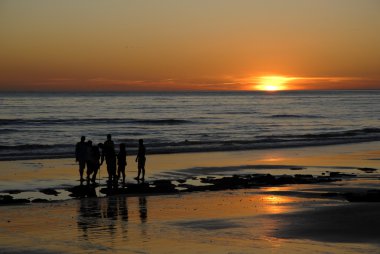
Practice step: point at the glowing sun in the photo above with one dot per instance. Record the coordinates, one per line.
(272, 83)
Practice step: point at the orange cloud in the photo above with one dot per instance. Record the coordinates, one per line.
(278, 82)
(225, 83)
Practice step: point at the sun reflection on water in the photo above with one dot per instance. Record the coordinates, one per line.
(276, 204)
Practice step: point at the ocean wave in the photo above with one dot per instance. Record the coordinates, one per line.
(28, 151)
(296, 116)
(90, 121)
(27, 147)
(162, 121)
(364, 132)
(7, 131)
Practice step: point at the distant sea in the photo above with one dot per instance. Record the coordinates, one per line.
(48, 125)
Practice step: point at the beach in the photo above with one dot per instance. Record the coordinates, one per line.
(312, 217)
(189, 127)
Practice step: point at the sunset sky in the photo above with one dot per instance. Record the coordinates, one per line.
(189, 45)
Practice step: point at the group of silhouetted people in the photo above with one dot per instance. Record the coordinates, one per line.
(89, 155)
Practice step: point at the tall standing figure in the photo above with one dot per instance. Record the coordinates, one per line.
(93, 163)
(110, 155)
(81, 156)
(140, 159)
(121, 162)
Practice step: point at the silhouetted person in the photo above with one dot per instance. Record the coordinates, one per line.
(88, 158)
(121, 162)
(80, 155)
(93, 163)
(140, 159)
(110, 155)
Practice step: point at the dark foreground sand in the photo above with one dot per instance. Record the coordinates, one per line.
(345, 223)
(295, 218)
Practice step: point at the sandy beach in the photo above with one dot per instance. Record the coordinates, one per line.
(285, 218)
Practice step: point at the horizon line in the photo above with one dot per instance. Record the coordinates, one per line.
(185, 91)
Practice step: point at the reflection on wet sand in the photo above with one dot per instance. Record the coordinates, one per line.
(143, 209)
(244, 221)
(277, 204)
(109, 214)
(88, 215)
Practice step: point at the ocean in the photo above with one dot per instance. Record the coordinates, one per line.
(48, 125)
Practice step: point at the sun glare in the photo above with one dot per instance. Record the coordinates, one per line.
(272, 83)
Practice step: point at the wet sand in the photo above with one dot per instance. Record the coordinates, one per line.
(277, 219)
(219, 222)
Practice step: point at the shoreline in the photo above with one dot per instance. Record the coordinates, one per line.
(191, 150)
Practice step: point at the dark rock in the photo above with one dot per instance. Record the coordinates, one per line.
(9, 200)
(207, 179)
(326, 179)
(192, 188)
(267, 179)
(82, 191)
(330, 194)
(303, 176)
(40, 200)
(244, 181)
(254, 181)
(285, 179)
(5, 198)
(13, 191)
(297, 168)
(304, 179)
(338, 174)
(368, 170)
(162, 182)
(163, 186)
(49, 192)
(138, 188)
